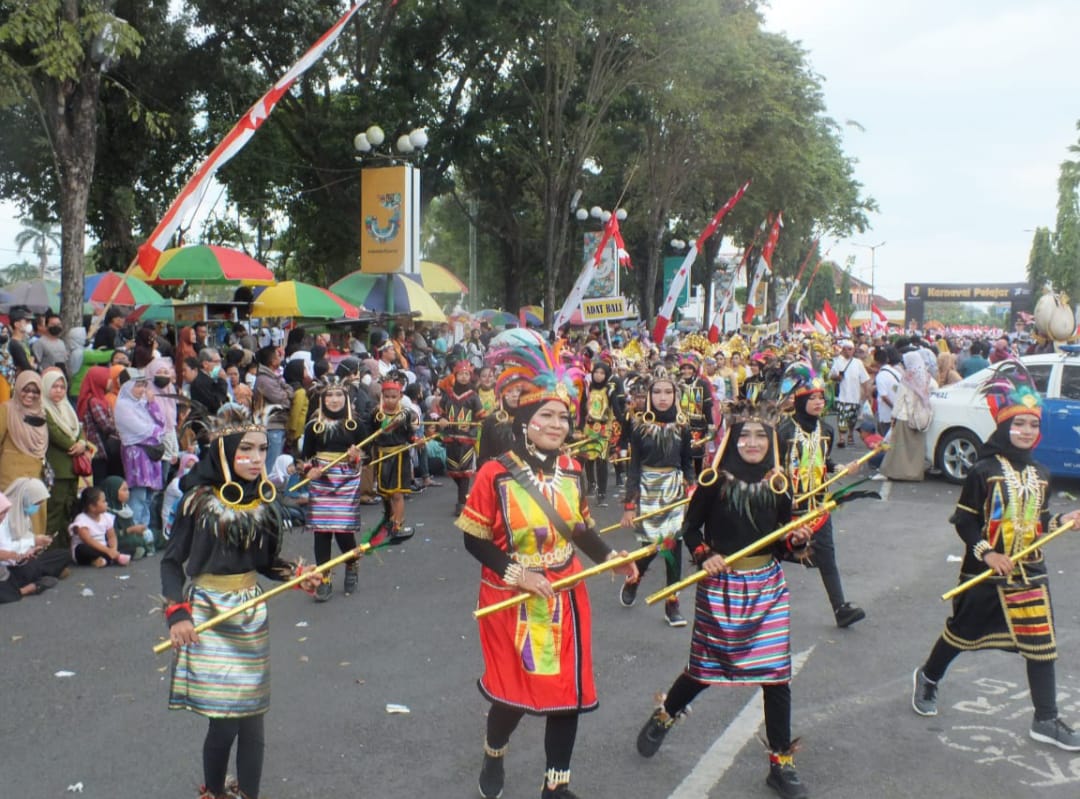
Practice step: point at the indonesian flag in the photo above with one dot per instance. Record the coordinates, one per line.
(588, 271)
(763, 270)
(831, 317)
(195, 189)
(879, 322)
(620, 246)
(821, 324)
(663, 319)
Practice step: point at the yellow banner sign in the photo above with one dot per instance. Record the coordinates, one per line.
(385, 209)
(606, 308)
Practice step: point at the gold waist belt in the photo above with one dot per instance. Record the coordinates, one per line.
(327, 456)
(556, 557)
(752, 562)
(225, 583)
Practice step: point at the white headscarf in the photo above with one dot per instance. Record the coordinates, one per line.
(133, 420)
(916, 376)
(22, 492)
(279, 475)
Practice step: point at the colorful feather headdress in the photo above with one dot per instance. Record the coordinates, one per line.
(1011, 391)
(549, 372)
(800, 379)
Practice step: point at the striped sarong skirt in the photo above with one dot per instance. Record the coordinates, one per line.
(742, 628)
(659, 488)
(334, 505)
(226, 674)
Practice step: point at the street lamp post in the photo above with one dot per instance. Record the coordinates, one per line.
(873, 253)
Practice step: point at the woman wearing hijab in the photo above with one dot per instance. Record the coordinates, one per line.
(117, 377)
(523, 521)
(1002, 509)
(96, 415)
(946, 369)
(906, 458)
(65, 442)
(31, 566)
(602, 408)
(742, 612)
(145, 350)
(24, 437)
(227, 532)
(141, 424)
(162, 377)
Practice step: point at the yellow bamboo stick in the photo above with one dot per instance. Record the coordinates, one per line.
(567, 582)
(399, 450)
(648, 515)
(393, 422)
(750, 549)
(879, 448)
(329, 465)
(1023, 553)
(277, 589)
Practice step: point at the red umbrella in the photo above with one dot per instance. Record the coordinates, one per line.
(207, 263)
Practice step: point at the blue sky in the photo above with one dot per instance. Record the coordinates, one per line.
(968, 108)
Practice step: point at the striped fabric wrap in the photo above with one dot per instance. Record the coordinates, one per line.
(227, 674)
(660, 487)
(334, 506)
(742, 628)
(1011, 618)
(1028, 614)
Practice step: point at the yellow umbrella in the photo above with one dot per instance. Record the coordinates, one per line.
(437, 279)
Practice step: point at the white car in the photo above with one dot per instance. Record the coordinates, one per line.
(962, 419)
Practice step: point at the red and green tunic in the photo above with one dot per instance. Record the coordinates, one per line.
(537, 655)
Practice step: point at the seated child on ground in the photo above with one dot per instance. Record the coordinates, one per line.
(93, 538)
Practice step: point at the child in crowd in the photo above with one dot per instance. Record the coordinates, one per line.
(284, 476)
(132, 539)
(93, 537)
(173, 493)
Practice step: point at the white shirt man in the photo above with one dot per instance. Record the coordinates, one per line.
(851, 373)
(887, 383)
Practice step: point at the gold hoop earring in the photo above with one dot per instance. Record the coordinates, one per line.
(501, 416)
(648, 417)
(680, 418)
(319, 427)
(264, 481)
(379, 415)
(230, 484)
(350, 423)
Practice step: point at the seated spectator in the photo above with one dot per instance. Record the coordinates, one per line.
(30, 565)
(284, 476)
(93, 538)
(24, 437)
(173, 494)
(131, 538)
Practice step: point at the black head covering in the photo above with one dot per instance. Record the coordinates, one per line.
(805, 420)
(733, 462)
(668, 416)
(602, 366)
(537, 458)
(209, 471)
(348, 367)
(294, 372)
(1000, 443)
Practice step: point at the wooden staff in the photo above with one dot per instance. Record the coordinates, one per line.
(329, 465)
(648, 515)
(399, 450)
(277, 589)
(621, 460)
(576, 444)
(1039, 543)
(567, 582)
(879, 448)
(394, 421)
(757, 546)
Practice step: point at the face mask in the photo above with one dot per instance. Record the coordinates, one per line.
(162, 382)
(125, 512)
(215, 373)
(250, 380)
(28, 328)
(366, 380)
(32, 509)
(55, 330)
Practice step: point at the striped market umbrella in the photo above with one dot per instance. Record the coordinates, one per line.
(394, 293)
(209, 264)
(497, 318)
(532, 315)
(293, 298)
(437, 279)
(118, 289)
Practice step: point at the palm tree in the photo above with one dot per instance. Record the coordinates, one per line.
(38, 234)
(13, 273)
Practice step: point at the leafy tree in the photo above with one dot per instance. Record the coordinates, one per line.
(13, 273)
(53, 55)
(1040, 260)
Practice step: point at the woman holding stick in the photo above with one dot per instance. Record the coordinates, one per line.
(741, 624)
(227, 531)
(1003, 508)
(522, 520)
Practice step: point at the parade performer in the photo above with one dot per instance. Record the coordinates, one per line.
(485, 390)
(601, 412)
(661, 470)
(1002, 509)
(741, 623)
(696, 404)
(333, 508)
(459, 409)
(496, 433)
(522, 521)
(393, 474)
(227, 530)
(806, 442)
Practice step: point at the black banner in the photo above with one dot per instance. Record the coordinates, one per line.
(916, 295)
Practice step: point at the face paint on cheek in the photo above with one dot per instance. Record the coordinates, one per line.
(535, 426)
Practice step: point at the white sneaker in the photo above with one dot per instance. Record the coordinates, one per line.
(878, 476)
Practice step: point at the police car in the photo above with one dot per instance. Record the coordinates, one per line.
(962, 419)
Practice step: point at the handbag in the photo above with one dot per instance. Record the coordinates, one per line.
(81, 465)
(154, 452)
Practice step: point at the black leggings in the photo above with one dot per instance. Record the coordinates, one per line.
(559, 735)
(777, 700)
(1042, 679)
(596, 474)
(824, 557)
(672, 566)
(462, 489)
(345, 542)
(248, 734)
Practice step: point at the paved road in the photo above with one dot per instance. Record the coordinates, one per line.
(407, 637)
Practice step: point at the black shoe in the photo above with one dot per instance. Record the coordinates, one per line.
(492, 777)
(652, 734)
(847, 614)
(352, 578)
(559, 792)
(628, 594)
(323, 591)
(923, 694)
(784, 779)
(671, 613)
(399, 534)
(601, 500)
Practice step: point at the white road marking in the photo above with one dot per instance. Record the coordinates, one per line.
(712, 766)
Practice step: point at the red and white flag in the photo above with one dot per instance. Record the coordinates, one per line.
(879, 322)
(667, 310)
(763, 270)
(831, 317)
(588, 272)
(195, 189)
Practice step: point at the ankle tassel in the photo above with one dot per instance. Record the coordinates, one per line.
(785, 757)
(500, 752)
(554, 778)
(666, 718)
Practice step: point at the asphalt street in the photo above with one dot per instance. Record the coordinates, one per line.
(85, 699)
